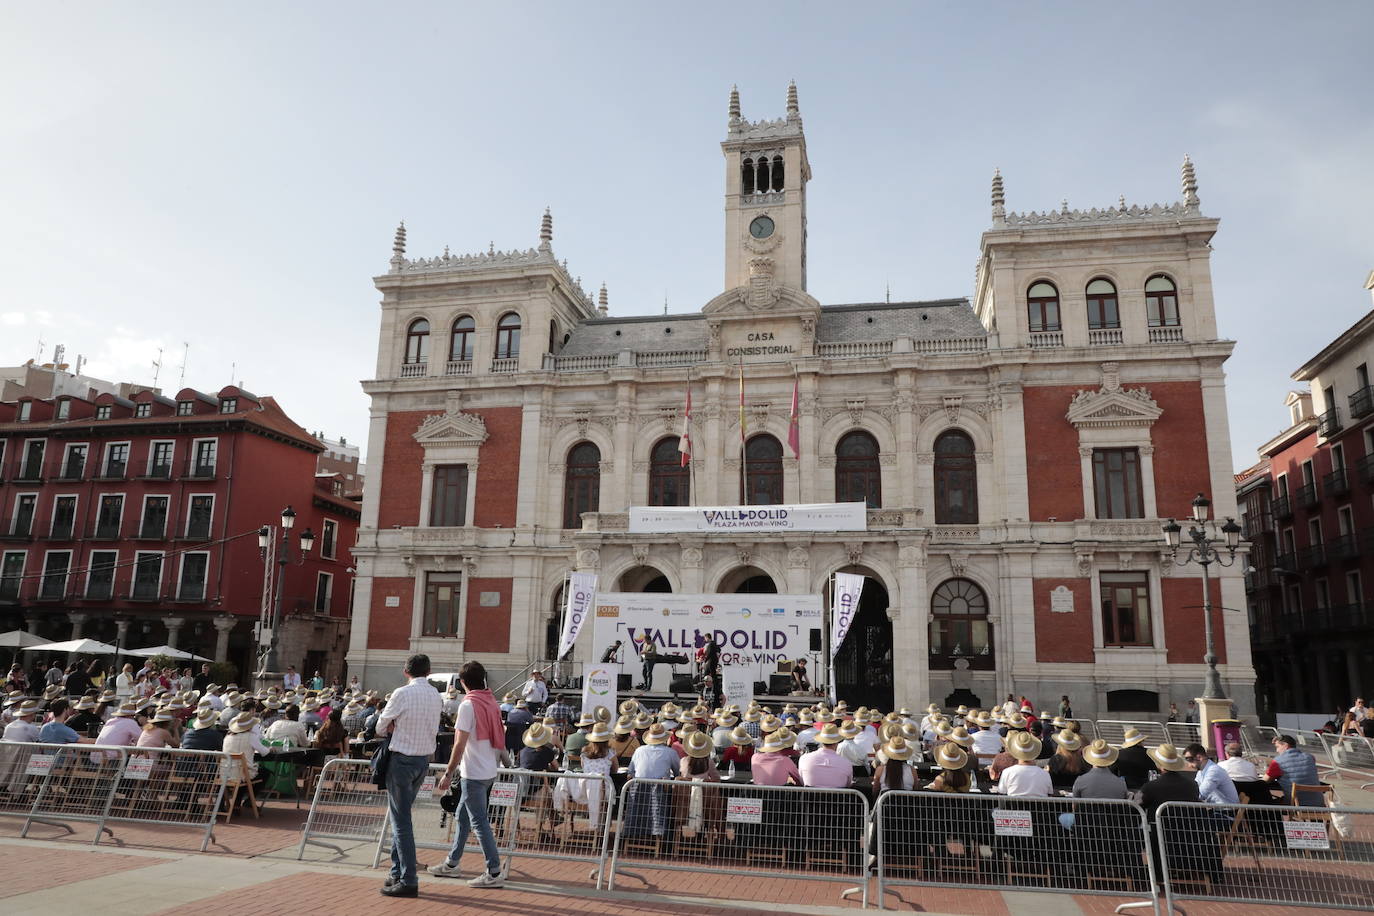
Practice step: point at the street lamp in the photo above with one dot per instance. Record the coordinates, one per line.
(1204, 537)
(278, 540)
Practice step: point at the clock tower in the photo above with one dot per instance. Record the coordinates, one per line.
(766, 172)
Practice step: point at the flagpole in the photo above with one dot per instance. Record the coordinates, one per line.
(829, 655)
(743, 461)
(691, 465)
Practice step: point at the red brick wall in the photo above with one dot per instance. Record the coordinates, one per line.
(402, 467)
(488, 628)
(389, 627)
(1184, 630)
(1052, 463)
(498, 477)
(1063, 637)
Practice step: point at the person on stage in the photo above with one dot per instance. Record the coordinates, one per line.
(648, 654)
(609, 656)
(800, 682)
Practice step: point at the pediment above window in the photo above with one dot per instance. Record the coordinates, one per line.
(1106, 408)
(451, 428)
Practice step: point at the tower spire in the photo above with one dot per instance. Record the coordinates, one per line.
(734, 104)
(398, 246)
(1190, 197)
(999, 200)
(602, 305)
(793, 110)
(546, 231)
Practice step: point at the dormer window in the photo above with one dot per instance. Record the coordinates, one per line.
(25, 411)
(229, 405)
(143, 410)
(102, 413)
(64, 409)
(184, 408)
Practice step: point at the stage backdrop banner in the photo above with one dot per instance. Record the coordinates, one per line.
(754, 631)
(598, 687)
(818, 517)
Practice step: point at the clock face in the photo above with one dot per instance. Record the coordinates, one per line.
(761, 227)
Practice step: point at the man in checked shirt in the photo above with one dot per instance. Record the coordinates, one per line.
(411, 718)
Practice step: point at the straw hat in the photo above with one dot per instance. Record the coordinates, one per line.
(890, 730)
(727, 721)
(932, 709)
(805, 717)
(697, 744)
(700, 711)
(898, 749)
(824, 716)
(1100, 753)
(538, 735)
(687, 728)
(601, 714)
(961, 737)
(779, 740)
(508, 698)
(85, 703)
(26, 709)
(352, 709)
(1068, 739)
(271, 703)
(951, 757)
(127, 709)
(1057, 722)
(851, 729)
(740, 736)
(163, 715)
(585, 720)
(983, 719)
(310, 705)
(1017, 722)
(629, 708)
(54, 691)
(206, 717)
(624, 725)
(452, 691)
(961, 711)
(109, 696)
(233, 698)
(1131, 738)
(600, 733)
(243, 722)
(770, 724)
(1167, 757)
(519, 704)
(943, 729)
(643, 721)
(669, 709)
(656, 734)
(1023, 745)
(829, 735)
(753, 715)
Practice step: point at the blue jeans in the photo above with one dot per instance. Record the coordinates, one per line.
(472, 815)
(404, 776)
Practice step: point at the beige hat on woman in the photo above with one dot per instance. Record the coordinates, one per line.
(1100, 753)
(600, 733)
(127, 709)
(538, 735)
(697, 744)
(623, 726)
(1068, 739)
(741, 737)
(656, 734)
(951, 757)
(1167, 757)
(1131, 738)
(780, 740)
(898, 749)
(243, 722)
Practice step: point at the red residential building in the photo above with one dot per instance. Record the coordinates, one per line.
(135, 521)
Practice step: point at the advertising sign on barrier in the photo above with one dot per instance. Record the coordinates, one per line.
(427, 788)
(1012, 823)
(39, 765)
(503, 794)
(1306, 835)
(744, 811)
(138, 768)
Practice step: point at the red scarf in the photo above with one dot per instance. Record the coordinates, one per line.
(487, 714)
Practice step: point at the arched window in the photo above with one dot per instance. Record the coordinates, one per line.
(417, 341)
(508, 336)
(959, 628)
(669, 481)
(777, 173)
(581, 483)
(763, 472)
(1161, 302)
(1042, 306)
(1102, 311)
(761, 175)
(747, 177)
(857, 478)
(464, 332)
(956, 479)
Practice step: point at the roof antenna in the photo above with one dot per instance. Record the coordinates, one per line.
(889, 292)
(184, 354)
(157, 366)
(40, 347)
(665, 303)
(233, 370)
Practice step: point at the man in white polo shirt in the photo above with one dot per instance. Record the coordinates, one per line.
(411, 718)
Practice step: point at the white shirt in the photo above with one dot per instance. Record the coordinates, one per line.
(415, 709)
(291, 680)
(124, 685)
(987, 743)
(21, 730)
(851, 751)
(1239, 769)
(216, 701)
(1359, 712)
(286, 730)
(535, 691)
(245, 744)
(867, 741)
(807, 736)
(480, 759)
(1025, 780)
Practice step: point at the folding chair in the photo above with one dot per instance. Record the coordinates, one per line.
(233, 783)
(1326, 793)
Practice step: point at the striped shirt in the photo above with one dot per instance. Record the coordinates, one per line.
(413, 713)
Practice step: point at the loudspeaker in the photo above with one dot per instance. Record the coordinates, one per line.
(815, 639)
(624, 683)
(779, 685)
(682, 684)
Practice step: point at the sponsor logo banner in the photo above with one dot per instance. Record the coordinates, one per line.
(598, 687)
(1012, 823)
(744, 810)
(816, 517)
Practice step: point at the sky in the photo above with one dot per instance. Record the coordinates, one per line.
(223, 181)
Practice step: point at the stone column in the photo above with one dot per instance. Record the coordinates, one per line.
(909, 611)
(121, 634)
(906, 444)
(32, 625)
(174, 625)
(78, 620)
(223, 626)
(690, 565)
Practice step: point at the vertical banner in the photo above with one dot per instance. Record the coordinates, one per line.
(848, 587)
(737, 684)
(598, 687)
(581, 599)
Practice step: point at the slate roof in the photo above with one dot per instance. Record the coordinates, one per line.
(940, 318)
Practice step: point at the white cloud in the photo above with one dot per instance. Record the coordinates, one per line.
(13, 319)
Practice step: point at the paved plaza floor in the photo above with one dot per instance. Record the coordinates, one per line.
(251, 869)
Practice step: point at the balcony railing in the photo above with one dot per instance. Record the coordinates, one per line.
(458, 367)
(1362, 403)
(191, 591)
(414, 370)
(1166, 335)
(1365, 468)
(1345, 547)
(1282, 507)
(54, 588)
(1307, 496)
(199, 470)
(61, 531)
(1257, 523)
(114, 470)
(1329, 423)
(161, 471)
(1339, 617)
(100, 591)
(1105, 337)
(153, 531)
(1040, 340)
(1313, 557)
(22, 529)
(1337, 483)
(144, 591)
(72, 470)
(108, 531)
(1286, 561)
(505, 365)
(30, 473)
(9, 589)
(197, 529)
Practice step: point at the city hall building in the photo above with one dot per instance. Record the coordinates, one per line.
(1018, 450)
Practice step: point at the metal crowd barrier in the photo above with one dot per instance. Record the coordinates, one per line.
(1182, 734)
(347, 806)
(1354, 753)
(765, 831)
(1087, 728)
(56, 784)
(1060, 845)
(1266, 854)
(538, 815)
(1113, 731)
(1258, 740)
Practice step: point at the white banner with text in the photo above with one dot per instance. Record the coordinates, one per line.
(581, 595)
(818, 517)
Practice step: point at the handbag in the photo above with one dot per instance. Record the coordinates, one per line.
(381, 762)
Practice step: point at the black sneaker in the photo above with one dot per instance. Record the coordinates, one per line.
(400, 890)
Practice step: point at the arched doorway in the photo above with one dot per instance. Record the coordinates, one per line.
(643, 579)
(863, 666)
(747, 580)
